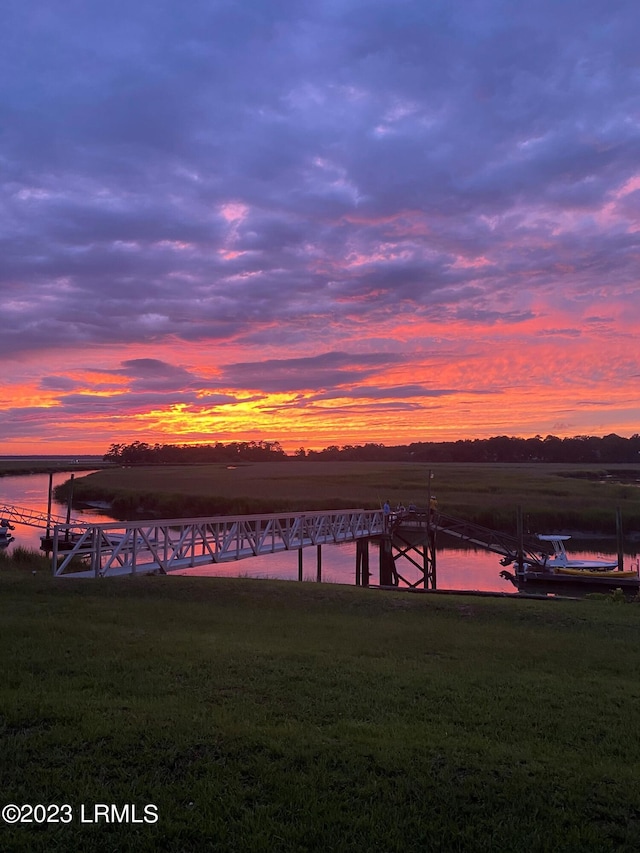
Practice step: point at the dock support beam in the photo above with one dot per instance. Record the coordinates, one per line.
(417, 547)
(520, 536)
(300, 574)
(388, 575)
(429, 556)
(49, 500)
(362, 562)
(619, 539)
(69, 504)
(319, 571)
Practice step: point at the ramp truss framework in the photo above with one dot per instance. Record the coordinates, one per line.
(118, 548)
(31, 517)
(507, 546)
(510, 547)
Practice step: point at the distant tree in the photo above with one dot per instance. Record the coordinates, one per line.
(114, 453)
(582, 449)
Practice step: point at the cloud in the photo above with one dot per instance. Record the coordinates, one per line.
(397, 392)
(294, 374)
(154, 374)
(249, 190)
(59, 383)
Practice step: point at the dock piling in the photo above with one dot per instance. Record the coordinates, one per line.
(619, 539)
(520, 537)
(387, 563)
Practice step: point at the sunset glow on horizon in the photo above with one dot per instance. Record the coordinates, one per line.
(336, 225)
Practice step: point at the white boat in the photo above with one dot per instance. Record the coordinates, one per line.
(561, 560)
(558, 570)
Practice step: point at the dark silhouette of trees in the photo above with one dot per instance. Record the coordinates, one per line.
(585, 449)
(581, 449)
(141, 453)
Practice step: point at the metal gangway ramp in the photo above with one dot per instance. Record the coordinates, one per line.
(141, 547)
(506, 545)
(31, 517)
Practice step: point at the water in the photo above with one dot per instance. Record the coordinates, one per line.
(457, 568)
(31, 492)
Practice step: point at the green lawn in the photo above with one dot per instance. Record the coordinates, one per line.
(275, 716)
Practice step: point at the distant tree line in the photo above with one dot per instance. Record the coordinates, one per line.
(582, 448)
(139, 452)
(610, 448)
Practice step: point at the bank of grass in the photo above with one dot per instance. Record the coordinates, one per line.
(265, 715)
(23, 465)
(552, 496)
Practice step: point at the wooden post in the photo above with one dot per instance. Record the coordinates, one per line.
(520, 534)
(95, 553)
(319, 572)
(619, 539)
(69, 500)
(428, 539)
(435, 551)
(49, 499)
(362, 562)
(300, 575)
(432, 548)
(387, 564)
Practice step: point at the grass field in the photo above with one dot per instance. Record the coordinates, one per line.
(264, 715)
(552, 496)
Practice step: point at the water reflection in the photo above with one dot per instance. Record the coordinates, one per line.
(456, 568)
(31, 491)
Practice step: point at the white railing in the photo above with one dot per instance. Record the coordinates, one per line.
(29, 517)
(116, 548)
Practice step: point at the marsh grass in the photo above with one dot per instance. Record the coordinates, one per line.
(28, 559)
(264, 715)
(25, 558)
(552, 496)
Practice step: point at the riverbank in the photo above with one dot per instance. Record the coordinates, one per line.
(14, 466)
(553, 497)
(266, 715)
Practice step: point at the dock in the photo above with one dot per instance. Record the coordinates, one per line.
(405, 542)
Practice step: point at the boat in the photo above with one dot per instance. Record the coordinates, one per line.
(5, 532)
(558, 570)
(561, 561)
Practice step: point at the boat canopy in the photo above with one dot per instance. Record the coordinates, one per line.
(552, 537)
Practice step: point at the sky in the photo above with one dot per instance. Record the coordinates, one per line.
(327, 222)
